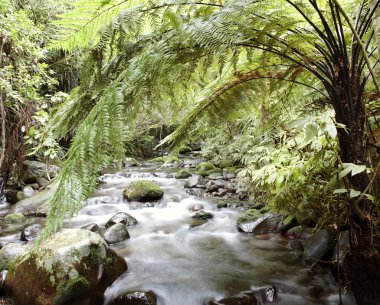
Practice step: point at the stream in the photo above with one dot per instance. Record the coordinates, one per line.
(186, 265)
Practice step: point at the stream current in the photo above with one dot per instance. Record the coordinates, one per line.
(186, 265)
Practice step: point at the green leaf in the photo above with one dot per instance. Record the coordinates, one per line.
(344, 172)
(340, 191)
(357, 169)
(354, 193)
(311, 131)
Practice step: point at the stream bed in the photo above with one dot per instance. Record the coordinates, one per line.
(185, 265)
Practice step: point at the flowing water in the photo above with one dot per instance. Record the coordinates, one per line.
(186, 265)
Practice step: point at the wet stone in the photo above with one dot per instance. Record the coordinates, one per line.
(116, 233)
(123, 218)
(31, 232)
(202, 215)
(3, 275)
(93, 227)
(136, 298)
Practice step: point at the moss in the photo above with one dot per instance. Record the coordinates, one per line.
(288, 220)
(215, 171)
(143, 191)
(157, 160)
(14, 218)
(205, 167)
(182, 174)
(222, 204)
(72, 289)
(202, 173)
(231, 170)
(185, 149)
(226, 163)
(249, 215)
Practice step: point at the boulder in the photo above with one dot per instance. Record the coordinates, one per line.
(11, 196)
(123, 218)
(143, 191)
(9, 253)
(182, 174)
(257, 223)
(320, 245)
(136, 298)
(195, 181)
(202, 215)
(34, 169)
(31, 232)
(116, 233)
(72, 265)
(93, 227)
(28, 191)
(205, 167)
(299, 232)
(36, 205)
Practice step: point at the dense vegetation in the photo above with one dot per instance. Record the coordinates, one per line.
(286, 89)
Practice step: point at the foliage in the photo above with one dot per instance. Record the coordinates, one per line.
(23, 77)
(161, 54)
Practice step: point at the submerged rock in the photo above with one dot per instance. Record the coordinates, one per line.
(243, 298)
(72, 265)
(136, 298)
(116, 233)
(31, 232)
(202, 215)
(143, 190)
(123, 218)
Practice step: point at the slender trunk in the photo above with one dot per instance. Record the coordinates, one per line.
(363, 263)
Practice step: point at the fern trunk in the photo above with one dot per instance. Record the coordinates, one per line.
(363, 262)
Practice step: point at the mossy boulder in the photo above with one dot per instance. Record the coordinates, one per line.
(73, 265)
(204, 167)
(226, 163)
(143, 191)
(182, 174)
(14, 218)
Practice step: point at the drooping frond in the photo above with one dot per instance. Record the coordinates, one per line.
(98, 142)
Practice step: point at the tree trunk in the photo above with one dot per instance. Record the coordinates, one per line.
(362, 266)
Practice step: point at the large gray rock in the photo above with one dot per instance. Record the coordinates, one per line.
(136, 298)
(319, 245)
(196, 181)
(36, 205)
(9, 253)
(35, 169)
(72, 265)
(123, 218)
(116, 233)
(262, 224)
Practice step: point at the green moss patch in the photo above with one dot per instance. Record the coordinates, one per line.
(14, 218)
(143, 191)
(249, 215)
